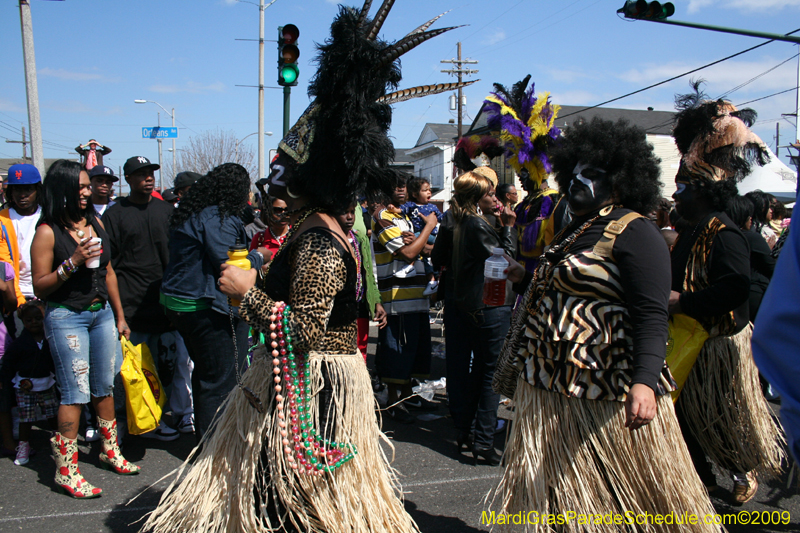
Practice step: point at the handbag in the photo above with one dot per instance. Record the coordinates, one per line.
(144, 395)
(686, 339)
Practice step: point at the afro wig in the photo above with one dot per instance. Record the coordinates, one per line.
(622, 151)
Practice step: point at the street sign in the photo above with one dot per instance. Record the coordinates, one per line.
(160, 133)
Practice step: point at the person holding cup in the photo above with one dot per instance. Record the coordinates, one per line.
(72, 270)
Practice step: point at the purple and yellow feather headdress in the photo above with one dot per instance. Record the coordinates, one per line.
(524, 125)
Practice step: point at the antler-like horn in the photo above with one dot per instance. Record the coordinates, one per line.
(428, 24)
(362, 16)
(380, 17)
(409, 43)
(422, 90)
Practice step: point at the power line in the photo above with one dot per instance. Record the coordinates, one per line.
(765, 97)
(751, 80)
(676, 77)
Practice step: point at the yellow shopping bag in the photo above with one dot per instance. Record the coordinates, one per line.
(686, 339)
(144, 395)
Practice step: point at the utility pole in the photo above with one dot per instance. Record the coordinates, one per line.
(777, 139)
(459, 72)
(31, 86)
(24, 144)
(160, 164)
(260, 91)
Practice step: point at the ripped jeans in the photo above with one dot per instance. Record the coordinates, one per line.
(84, 348)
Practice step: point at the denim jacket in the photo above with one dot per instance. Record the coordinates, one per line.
(196, 251)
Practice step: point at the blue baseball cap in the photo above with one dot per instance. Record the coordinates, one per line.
(23, 174)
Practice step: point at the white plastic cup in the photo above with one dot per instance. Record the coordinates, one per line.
(96, 243)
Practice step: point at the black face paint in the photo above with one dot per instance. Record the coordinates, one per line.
(589, 189)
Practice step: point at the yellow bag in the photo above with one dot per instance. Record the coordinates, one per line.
(686, 339)
(144, 395)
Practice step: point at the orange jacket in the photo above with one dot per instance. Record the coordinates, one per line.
(9, 249)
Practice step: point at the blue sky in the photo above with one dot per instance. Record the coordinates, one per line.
(95, 57)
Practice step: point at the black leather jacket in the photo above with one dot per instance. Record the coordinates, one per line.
(473, 240)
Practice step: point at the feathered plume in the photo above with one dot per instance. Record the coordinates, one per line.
(422, 90)
(469, 148)
(340, 146)
(714, 137)
(524, 124)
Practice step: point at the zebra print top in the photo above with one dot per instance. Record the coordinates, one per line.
(596, 325)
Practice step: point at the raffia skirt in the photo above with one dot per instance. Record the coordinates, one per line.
(726, 411)
(575, 459)
(242, 482)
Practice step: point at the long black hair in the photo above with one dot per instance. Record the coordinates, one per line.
(761, 207)
(740, 209)
(61, 195)
(227, 187)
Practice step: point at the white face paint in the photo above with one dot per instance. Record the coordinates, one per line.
(578, 172)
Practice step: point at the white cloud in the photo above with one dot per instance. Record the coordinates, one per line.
(744, 5)
(723, 76)
(10, 107)
(577, 97)
(495, 37)
(189, 87)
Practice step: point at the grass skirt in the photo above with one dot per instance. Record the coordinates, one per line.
(726, 411)
(242, 482)
(567, 455)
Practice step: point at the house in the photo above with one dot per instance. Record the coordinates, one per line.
(432, 158)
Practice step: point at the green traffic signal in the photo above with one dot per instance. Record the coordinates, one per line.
(288, 53)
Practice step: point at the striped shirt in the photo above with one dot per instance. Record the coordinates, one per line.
(401, 284)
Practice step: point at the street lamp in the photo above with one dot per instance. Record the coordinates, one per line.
(172, 115)
(236, 150)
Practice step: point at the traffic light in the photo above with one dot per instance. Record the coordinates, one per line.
(288, 71)
(643, 10)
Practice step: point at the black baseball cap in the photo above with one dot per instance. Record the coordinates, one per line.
(102, 170)
(138, 163)
(186, 178)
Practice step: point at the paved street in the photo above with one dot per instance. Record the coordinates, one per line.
(444, 492)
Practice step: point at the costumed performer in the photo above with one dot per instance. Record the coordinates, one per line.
(297, 448)
(595, 431)
(722, 411)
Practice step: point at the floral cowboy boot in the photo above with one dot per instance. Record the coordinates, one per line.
(111, 458)
(68, 476)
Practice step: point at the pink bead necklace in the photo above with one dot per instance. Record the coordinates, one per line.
(306, 451)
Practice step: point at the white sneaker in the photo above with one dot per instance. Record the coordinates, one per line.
(407, 271)
(91, 434)
(432, 287)
(186, 425)
(23, 453)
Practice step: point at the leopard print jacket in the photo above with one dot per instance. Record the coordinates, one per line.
(318, 274)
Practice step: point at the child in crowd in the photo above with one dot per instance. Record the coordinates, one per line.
(28, 360)
(367, 294)
(419, 191)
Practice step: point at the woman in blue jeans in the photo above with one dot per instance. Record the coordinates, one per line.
(80, 325)
(203, 228)
(473, 403)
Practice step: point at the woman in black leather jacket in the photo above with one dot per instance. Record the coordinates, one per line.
(473, 404)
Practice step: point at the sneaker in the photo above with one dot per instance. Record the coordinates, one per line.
(432, 287)
(186, 425)
(419, 403)
(23, 453)
(162, 432)
(744, 489)
(91, 434)
(399, 413)
(406, 271)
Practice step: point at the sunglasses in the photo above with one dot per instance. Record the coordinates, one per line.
(278, 210)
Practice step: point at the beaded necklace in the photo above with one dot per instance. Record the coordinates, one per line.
(306, 451)
(357, 254)
(278, 238)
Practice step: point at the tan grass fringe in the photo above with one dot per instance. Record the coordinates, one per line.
(727, 412)
(573, 455)
(217, 492)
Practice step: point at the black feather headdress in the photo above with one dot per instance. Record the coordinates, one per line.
(340, 147)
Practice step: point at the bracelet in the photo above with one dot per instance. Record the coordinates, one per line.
(61, 274)
(72, 266)
(69, 269)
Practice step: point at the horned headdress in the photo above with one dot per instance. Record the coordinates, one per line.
(339, 147)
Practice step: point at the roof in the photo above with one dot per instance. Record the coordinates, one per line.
(443, 132)
(401, 157)
(653, 122)
(5, 163)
